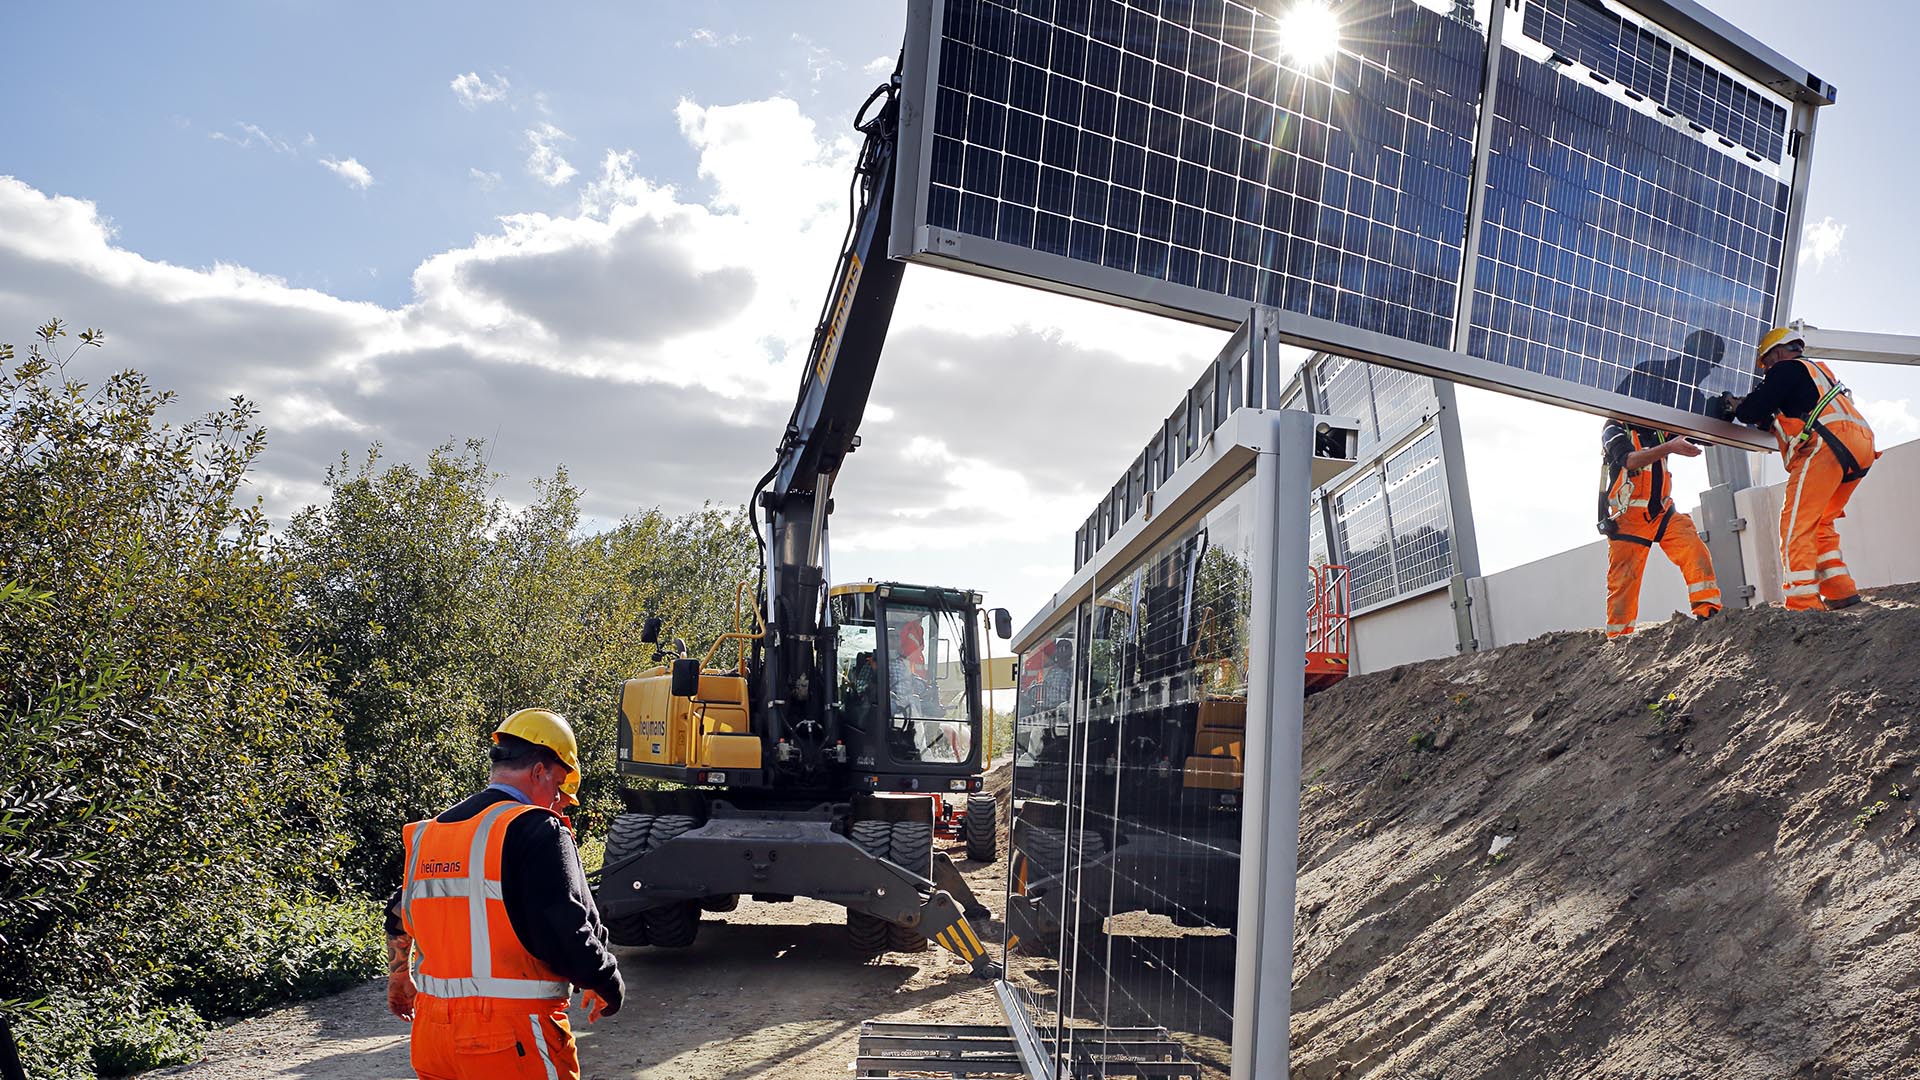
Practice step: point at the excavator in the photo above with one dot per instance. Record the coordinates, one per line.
(808, 751)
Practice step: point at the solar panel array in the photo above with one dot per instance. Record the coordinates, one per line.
(1615, 244)
(1392, 515)
(1164, 138)
(1636, 206)
(1653, 66)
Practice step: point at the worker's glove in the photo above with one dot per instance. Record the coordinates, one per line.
(598, 1006)
(400, 994)
(1722, 407)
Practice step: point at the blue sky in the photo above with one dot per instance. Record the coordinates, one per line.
(600, 232)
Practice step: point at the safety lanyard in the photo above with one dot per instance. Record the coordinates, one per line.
(1819, 410)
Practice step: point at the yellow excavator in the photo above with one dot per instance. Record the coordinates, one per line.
(805, 751)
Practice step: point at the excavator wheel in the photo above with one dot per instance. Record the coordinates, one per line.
(982, 826)
(867, 934)
(910, 846)
(627, 837)
(671, 926)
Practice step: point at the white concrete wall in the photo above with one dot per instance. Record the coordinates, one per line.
(1568, 591)
(1416, 629)
(1880, 535)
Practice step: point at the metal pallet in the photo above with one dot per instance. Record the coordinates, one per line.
(989, 1050)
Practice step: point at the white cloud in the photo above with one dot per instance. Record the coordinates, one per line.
(1893, 420)
(1820, 242)
(474, 91)
(712, 40)
(350, 170)
(485, 181)
(544, 160)
(252, 135)
(879, 65)
(667, 326)
(820, 61)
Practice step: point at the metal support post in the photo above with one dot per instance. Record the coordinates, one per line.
(1721, 525)
(1270, 814)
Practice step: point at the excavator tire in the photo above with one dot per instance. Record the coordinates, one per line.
(911, 847)
(867, 934)
(627, 837)
(720, 905)
(671, 926)
(1046, 852)
(982, 825)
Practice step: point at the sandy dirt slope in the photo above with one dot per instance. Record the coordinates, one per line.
(1713, 871)
(772, 991)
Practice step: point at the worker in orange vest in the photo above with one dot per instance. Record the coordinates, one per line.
(1637, 512)
(493, 925)
(1828, 448)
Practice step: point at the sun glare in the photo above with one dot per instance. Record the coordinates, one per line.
(1309, 33)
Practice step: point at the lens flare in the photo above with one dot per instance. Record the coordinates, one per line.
(1310, 33)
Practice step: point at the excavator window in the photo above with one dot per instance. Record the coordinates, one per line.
(929, 716)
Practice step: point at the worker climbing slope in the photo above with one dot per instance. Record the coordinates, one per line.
(1828, 447)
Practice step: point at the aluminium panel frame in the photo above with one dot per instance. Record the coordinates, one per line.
(914, 241)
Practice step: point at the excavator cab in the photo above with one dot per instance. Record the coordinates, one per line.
(906, 676)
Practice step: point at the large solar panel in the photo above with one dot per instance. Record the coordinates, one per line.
(1190, 157)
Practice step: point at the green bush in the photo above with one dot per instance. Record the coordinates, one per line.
(247, 961)
(137, 1039)
(212, 731)
(113, 1033)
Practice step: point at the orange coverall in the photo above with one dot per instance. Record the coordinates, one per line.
(1636, 513)
(1826, 456)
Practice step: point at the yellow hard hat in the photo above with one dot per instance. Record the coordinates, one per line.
(570, 790)
(1776, 336)
(543, 727)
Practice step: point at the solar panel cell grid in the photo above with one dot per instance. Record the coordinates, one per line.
(1623, 254)
(1169, 143)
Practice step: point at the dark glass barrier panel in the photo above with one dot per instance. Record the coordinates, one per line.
(1163, 730)
(1037, 858)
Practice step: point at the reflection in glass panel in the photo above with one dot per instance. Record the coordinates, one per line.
(1038, 856)
(1134, 784)
(1621, 252)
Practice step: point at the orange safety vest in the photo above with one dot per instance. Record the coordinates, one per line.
(1833, 407)
(451, 902)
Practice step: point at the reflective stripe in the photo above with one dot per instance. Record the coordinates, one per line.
(482, 943)
(540, 1040)
(1809, 589)
(1706, 586)
(451, 888)
(1828, 556)
(406, 901)
(516, 989)
(1826, 572)
(1619, 628)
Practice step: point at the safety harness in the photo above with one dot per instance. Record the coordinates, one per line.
(1816, 422)
(1616, 495)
